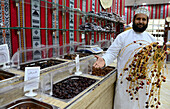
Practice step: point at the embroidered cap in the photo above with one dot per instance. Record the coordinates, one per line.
(142, 10)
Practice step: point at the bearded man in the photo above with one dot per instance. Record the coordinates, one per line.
(137, 33)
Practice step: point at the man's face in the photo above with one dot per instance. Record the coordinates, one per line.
(140, 23)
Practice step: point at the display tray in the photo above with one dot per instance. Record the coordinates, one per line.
(42, 63)
(73, 56)
(28, 103)
(70, 87)
(101, 71)
(4, 75)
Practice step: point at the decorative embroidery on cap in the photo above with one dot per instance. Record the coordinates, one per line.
(142, 10)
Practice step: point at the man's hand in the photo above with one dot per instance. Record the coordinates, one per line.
(99, 63)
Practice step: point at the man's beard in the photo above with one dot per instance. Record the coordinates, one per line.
(137, 29)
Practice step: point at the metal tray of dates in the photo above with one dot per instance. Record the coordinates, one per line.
(71, 86)
(28, 103)
(4, 75)
(102, 71)
(42, 63)
(73, 56)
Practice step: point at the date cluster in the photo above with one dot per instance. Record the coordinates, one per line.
(146, 69)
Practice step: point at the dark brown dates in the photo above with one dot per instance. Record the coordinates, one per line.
(73, 56)
(42, 63)
(101, 72)
(70, 87)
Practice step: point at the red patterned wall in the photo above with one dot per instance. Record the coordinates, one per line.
(46, 34)
(159, 11)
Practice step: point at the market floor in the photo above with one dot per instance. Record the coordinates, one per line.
(165, 91)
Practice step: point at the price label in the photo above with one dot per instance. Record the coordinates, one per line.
(4, 54)
(83, 36)
(32, 76)
(97, 49)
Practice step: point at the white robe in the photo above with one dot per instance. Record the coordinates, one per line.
(122, 98)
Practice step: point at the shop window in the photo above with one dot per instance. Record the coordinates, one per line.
(156, 27)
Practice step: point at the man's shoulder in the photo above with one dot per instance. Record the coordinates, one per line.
(150, 35)
(124, 35)
(147, 33)
(126, 32)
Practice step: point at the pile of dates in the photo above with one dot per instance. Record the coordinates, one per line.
(73, 56)
(43, 64)
(101, 71)
(70, 87)
(5, 75)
